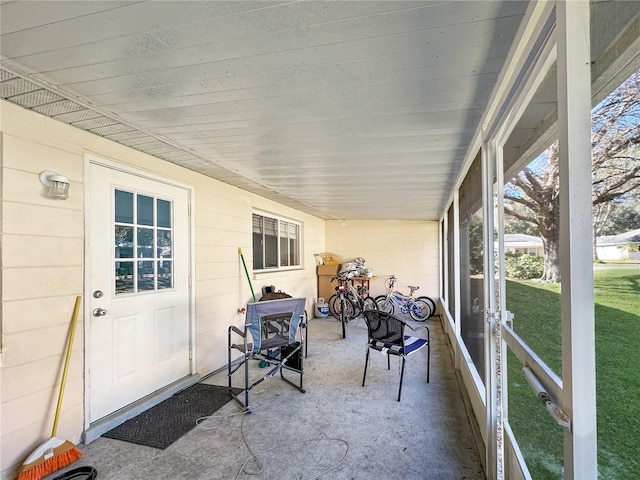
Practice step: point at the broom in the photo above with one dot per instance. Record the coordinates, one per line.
(55, 453)
(262, 363)
(246, 272)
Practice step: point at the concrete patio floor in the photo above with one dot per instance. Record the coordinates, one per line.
(336, 430)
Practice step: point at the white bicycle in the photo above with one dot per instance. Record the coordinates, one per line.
(419, 308)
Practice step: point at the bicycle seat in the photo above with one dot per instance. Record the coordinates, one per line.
(413, 288)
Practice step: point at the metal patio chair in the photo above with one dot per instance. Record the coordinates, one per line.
(272, 335)
(386, 334)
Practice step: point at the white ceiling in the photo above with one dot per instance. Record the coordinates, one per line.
(341, 109)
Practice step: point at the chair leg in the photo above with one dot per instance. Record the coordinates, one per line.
(229, 363)
(401, 378)
(366, 362)
(306, 337)
(428, 359)
(295, 355)
(246, 383)
(231, 369)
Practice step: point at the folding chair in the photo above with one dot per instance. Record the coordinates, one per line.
(269, 336)
(386, 334)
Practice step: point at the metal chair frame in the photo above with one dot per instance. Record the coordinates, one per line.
(270, 336)
(386, 334)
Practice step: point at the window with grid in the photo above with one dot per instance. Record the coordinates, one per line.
(276, 243)
(143, 243)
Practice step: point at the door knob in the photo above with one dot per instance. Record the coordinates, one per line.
(99, 312)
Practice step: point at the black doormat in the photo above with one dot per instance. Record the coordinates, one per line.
(166, 422)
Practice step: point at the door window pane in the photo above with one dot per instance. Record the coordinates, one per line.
(164, 213)
(124, 242)
(124, 206)
(145, 276)
(145, 243)
(165, 274)
(145, 210)
(164, 244)
(124, 277)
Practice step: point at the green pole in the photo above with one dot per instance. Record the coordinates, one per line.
(246, 272)
(262, 364)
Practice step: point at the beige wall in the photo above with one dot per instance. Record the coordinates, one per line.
(43, 270)
(406, 249)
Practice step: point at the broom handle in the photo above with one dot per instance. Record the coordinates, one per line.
(246, 273)
(74, 321)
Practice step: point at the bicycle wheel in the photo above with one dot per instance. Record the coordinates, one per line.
(338, 308)
(384, 305)
(420, 310)
(369, 303)
(332, 306)
(431, 303)
(356, 309)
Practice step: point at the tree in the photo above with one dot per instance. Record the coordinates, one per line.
(536, 189)
(615, 142)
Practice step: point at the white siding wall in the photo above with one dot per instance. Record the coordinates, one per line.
(406, 249)
(43, 268)
(612, 252)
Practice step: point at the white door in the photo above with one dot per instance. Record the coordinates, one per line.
(138, 287)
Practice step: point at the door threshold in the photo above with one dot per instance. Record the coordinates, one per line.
(99, 427)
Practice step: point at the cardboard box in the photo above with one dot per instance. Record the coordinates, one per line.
(325, 287)
(327, 270)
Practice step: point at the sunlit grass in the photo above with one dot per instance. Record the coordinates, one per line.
(537, 320)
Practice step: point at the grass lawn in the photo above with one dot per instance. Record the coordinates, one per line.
(537, 321)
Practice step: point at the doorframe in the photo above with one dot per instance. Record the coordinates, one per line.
(94, 430)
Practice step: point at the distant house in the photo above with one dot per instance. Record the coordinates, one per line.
(521, 243)
(618, 247)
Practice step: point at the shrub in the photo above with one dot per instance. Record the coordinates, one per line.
(523, 266)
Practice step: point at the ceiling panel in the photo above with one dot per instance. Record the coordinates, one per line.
(350, 109)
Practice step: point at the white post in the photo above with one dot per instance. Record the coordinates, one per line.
(456, 265)
(444, 260)
(493, 387)
(576, 251)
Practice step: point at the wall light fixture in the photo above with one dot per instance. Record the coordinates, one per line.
(57, 184)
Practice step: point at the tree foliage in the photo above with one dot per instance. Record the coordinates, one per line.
(622, 218)
(513, 225)
(532, 196)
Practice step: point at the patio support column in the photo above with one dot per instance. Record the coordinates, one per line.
(455, 228)
(576, 251)
(492, 340)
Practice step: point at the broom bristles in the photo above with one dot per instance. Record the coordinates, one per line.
(63, 455)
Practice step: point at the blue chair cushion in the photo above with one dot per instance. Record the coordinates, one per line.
(411, 345)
